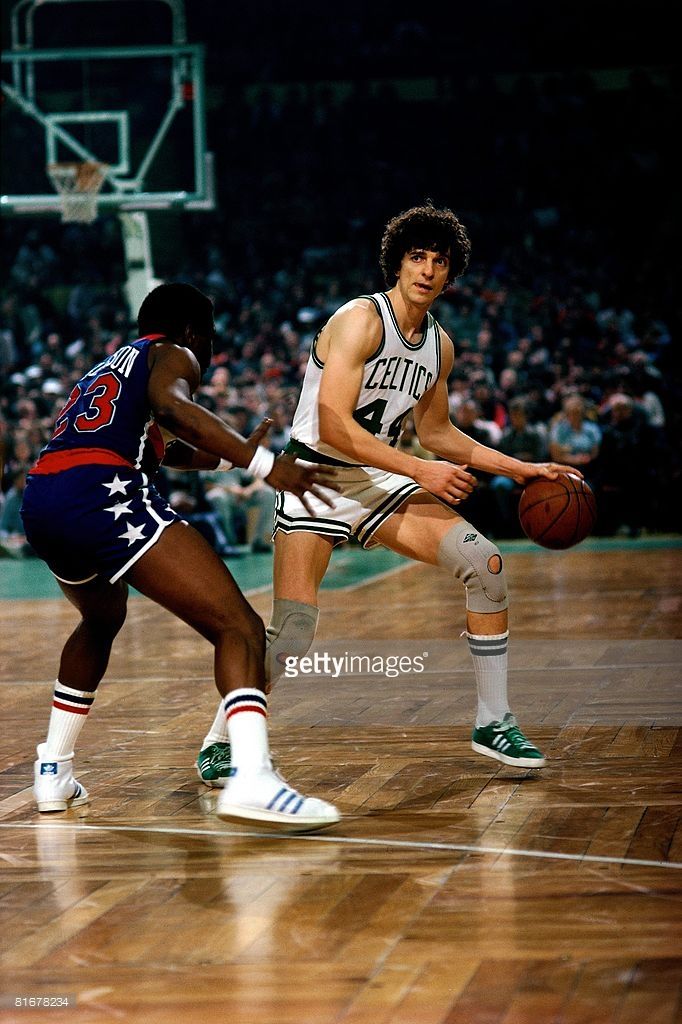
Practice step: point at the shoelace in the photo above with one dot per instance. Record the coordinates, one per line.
(516, 736)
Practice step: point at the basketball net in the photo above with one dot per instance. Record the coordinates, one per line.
(78, 185)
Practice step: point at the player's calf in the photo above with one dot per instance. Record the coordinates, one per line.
(291, 632)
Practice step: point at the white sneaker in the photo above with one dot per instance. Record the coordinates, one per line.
(264, 797)
(54, 786)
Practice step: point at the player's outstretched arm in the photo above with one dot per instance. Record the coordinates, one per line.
(174, 377)
(439, 435)
(182, 456)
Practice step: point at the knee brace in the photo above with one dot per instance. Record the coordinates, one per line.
(291, 633)
(478, 564)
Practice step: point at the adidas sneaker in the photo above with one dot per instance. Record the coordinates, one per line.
(213, 765)
(54, 786)
(263, 798)
(505, 742)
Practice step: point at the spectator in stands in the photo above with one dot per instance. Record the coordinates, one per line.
(468, 418)
(480, 504)
(186, 495)
(245, 506)
(280, 431)
(645, 391)
(573, 438)
(409, 442)
(492, 413)
(12, 536)
(459, 390)
(522, 440)
(623, 469)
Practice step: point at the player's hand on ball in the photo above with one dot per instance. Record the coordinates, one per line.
(289, 475)
(550, 470)
(444, 480)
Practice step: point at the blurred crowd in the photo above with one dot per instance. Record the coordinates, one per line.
(542, 371)
(565, 325)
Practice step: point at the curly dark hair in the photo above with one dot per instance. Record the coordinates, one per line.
(424, 227)
(172, 307)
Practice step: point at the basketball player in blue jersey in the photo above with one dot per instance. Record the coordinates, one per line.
(379, 358)
(91, 511)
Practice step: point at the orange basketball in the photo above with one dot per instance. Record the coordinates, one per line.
(557, 513)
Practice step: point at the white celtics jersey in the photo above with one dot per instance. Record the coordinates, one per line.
(394, 379)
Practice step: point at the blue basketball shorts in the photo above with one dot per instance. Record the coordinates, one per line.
(93, 520)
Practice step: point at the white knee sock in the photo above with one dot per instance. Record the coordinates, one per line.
(246, 711)
(489, 655)
(69, 710)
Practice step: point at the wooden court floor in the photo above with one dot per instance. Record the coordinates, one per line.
(454, 891)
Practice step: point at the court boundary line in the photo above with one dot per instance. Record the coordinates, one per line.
(402, 844)
(384, 574)
(374, 578)
(264, 588)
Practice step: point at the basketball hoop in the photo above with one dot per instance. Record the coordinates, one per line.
(78, 185)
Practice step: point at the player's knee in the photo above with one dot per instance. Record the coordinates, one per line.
(106, 617)
(252, 629)
(118, 618)
(290, 634)
(477, 562)
(238, 625)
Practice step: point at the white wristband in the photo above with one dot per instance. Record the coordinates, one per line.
(261, 464)
(223, 466)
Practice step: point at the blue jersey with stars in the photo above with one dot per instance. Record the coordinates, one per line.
(89, 508)
(108, 411)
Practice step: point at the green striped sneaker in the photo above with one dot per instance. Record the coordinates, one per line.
(505, 742)
(213, 765)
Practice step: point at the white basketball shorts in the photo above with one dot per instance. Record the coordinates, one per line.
(366, 500)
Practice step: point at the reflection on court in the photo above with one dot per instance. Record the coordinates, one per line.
(455, 890)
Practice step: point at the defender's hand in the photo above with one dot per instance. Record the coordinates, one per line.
(289, 475)
(444, 480)
(551, 470)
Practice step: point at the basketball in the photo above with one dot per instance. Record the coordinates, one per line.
(559, 513)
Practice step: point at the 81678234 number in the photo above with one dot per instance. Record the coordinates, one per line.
(38, 1002)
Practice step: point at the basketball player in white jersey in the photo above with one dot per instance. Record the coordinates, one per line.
(377, 359)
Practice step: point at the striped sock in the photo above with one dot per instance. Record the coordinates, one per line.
(69, 710)
(246, 711)
(489, 655)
